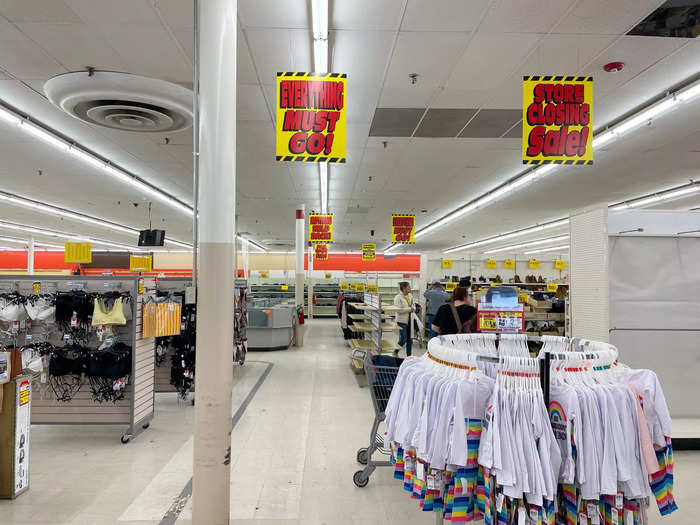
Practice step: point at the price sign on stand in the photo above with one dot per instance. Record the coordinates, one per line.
(361, 287)
(552, 287)
(491, 318)
(450, 286)
(344, 286)
(372, 288)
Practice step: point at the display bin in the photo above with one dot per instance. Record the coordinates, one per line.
(14, 436)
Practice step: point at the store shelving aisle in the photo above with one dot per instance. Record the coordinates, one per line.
(293, 456)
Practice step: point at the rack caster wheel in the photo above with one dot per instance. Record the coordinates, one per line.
(360, 479)
(362, 456)
(146, 426)
(125, 439)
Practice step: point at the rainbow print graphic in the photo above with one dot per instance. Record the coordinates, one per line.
(556, 412)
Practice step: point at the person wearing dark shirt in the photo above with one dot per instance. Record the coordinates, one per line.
(444, 322)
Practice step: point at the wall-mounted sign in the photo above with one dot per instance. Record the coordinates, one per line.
(557, 120)
(559, 264)
(450, 286)
(311, 117)
(321, 227)
(534, 264)
(403, 228)
(78, 252)
(552, 287)
(321, 252)
(447, 264)
(140, 263)
(509, 264)
(491, 264)
(369, 251)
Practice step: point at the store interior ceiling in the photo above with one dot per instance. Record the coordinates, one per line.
(404, 155)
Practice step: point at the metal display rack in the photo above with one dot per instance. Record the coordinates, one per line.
(376, 321)
(137, 406)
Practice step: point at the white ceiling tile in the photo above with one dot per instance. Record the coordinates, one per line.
(361, 104)
(292, 14)
(62, 40)
(276, 50)
(416, 52)
(185, 38)
(445, 15)
(101, 12)
(365, 14)
(55, 11)
(490, 58)
(250, 103)
(602, 17)
(408, 97)
(164, 59)
(524, 16)
(461, 98)
(22, 57)
(362, 55)
(245, 71)
(176, 13)
(564, 54)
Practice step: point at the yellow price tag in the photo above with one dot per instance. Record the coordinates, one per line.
(522, 298)
(491, 264)
(285, 287)
(534, 264)
(552, 287)
(360, 287)
(78, 252)
(328, 275)
(495, 284)
(344, 286)
(559, 264)
(447, 264)
(36, 287)
(509, 264)
(487, 323)
(450, 286)
(372, 288)
(263, 275)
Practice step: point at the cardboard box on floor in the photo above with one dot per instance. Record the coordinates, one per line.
(14, 437)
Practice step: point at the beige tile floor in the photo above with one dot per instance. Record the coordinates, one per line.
(293, 456)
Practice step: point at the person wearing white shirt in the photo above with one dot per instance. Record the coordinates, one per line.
(404, 301)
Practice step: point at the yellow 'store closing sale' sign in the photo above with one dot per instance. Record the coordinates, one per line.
(403, 228)
(311, 117)
(557, 120)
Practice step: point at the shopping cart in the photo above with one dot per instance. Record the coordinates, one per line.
(381, 372)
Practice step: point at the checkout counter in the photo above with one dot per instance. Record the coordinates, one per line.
(270, 323)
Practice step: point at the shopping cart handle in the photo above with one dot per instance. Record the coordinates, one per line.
(358, 355)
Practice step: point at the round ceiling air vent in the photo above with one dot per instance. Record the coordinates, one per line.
(122, 101)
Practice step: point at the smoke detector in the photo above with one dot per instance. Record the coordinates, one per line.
(122, 101)
(613, 67)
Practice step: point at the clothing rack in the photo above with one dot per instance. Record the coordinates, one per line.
(137, 407)
(162, 372)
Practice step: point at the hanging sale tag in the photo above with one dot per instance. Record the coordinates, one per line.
(559, 265)
(36, 287)
(491, 264)
(509, 264)
(447, 264)
(321, 227)
(552, 287)
(534, 264)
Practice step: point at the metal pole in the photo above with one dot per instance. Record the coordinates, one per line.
(195, 148)
(299, 263)
(214, 352)
(310, 286)
(30, 256)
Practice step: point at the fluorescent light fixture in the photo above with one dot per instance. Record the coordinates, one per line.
(48, 136)
(689, 92)
(319, 19)
(254, 244)
(645, 116)
(67, 236)
(657, 197)
(554, 249)
(323, 176)
(529, 243)
(510, 235)
(25, 242)
(603, 138)
(321, 56)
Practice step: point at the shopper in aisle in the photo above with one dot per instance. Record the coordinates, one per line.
(404, 301)
(459, 309)
(436, 297)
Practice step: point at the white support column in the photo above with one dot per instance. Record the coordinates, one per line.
(217, 188)
(30, 256)
(300, 249)
(590, 286)
(310, 280)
